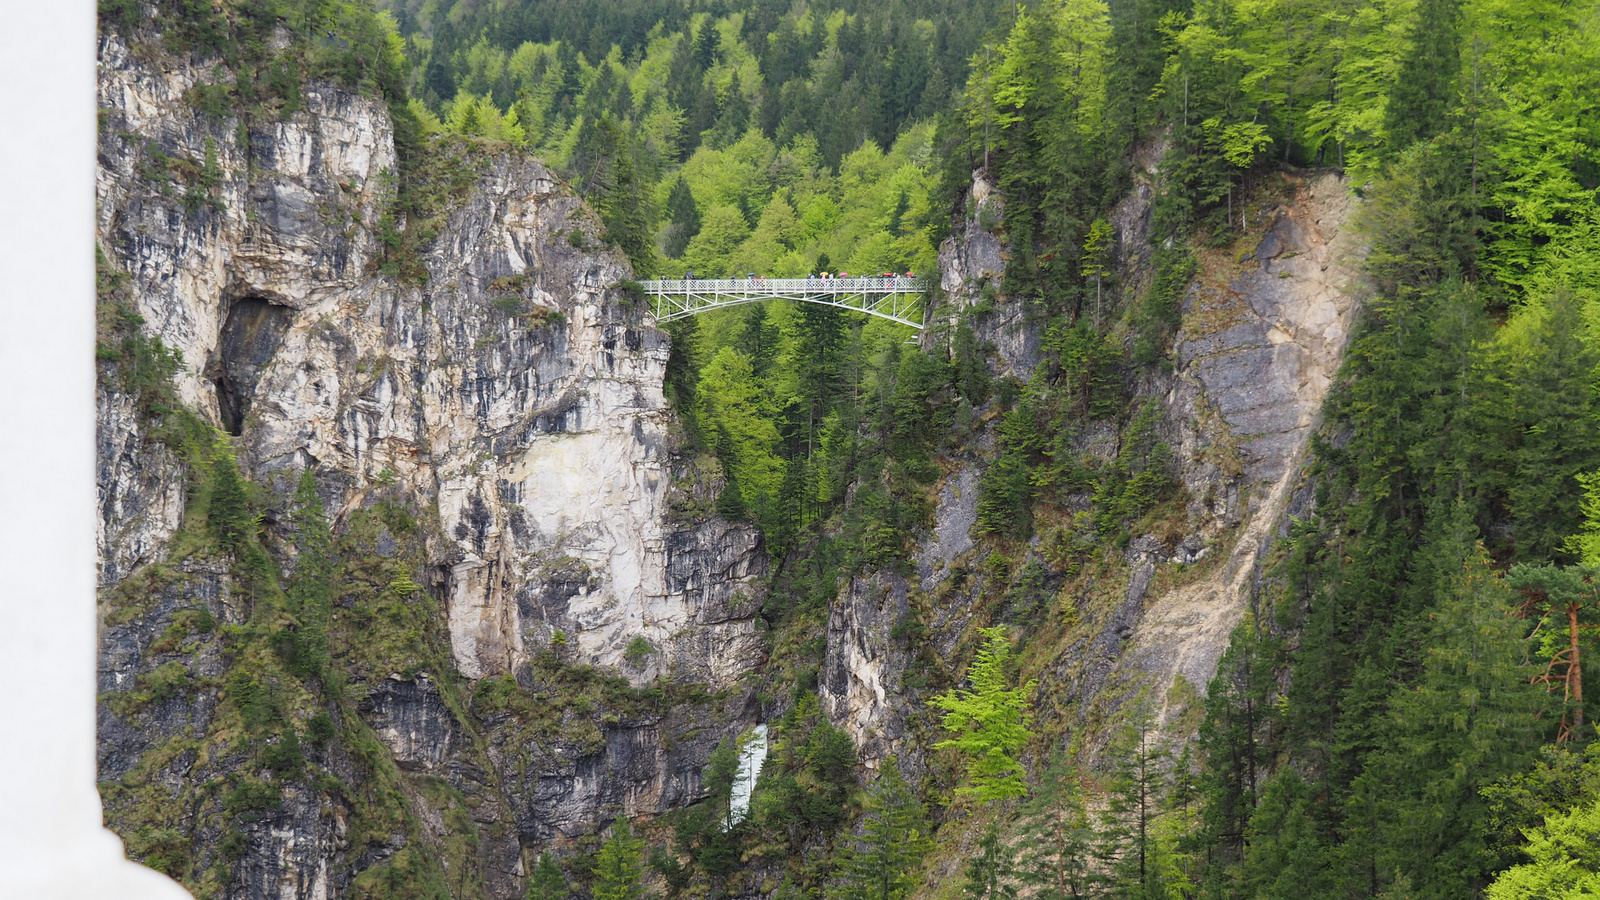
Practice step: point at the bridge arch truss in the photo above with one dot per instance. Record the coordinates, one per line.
(898, 299)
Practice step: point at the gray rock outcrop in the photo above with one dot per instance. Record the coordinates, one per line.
(512, 398)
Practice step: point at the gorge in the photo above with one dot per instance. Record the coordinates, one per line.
(433, 565)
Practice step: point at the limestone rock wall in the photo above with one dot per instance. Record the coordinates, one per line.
(514, 388)
(1263, 335)
(513, 399)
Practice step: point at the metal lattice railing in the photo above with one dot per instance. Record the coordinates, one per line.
(898, 299)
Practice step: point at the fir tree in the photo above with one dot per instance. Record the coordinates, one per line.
(685, 218)
(228, 514)
(882, 864)
(1057, 837)
(1424, 92)
(1286, 857)
(989, 722)
(310, 591)
(1127, 846)
(1468, 721)
(619, 866)
(546, 882)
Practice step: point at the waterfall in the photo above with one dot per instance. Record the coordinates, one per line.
(752, 753)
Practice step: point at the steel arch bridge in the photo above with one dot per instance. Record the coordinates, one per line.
(898, 299)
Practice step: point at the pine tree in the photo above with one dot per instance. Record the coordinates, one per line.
(1562, 597)
(989, 871)
(1057, 838)
(228, 513)
(619, 866)
(989, 722)
(882, 864)
(546, 882)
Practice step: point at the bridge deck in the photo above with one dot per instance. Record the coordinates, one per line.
(897, 299)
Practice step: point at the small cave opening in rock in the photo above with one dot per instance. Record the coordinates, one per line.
(250, 338)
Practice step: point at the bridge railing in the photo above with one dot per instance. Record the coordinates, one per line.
(814, 285)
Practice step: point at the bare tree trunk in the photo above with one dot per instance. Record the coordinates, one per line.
(1574, 669)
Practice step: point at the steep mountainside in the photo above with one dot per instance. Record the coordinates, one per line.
(493, 449)
(492, 441)
(1264, 331)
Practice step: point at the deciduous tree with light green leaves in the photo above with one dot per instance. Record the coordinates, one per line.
(1566, 860)
(989, 723)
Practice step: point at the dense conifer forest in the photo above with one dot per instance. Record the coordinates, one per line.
(1400, 715)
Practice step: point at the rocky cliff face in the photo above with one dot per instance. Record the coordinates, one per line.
(1264, 329)
(514, 386)
(511, 403)
(513, 399)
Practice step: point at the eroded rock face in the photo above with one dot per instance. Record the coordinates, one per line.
(972, 263)
(412, 720)
(1255, 361)
(513, 388)
(862, 679)
(1262, 337)
(514, 399)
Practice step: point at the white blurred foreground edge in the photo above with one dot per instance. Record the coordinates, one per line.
(52, 842)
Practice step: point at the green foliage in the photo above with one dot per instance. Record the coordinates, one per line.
(1285, 856)
(1057, 837)
(228, 514)
(1564, 599)
(1138, 479)
(131, 361)
(707, 830)
(1232, 740)
(1565, 863)
(988, 873)
(545, 881)
(201, 194)
(166, 681)
(741, 139)
(1006, 493)
(989, 722)
(883, 863)
(639, 649)
(1162, 310)
(1129, 843)
(619, 865)
(1561, 779)
(808, 779)
(1545, 434)
(309, 592)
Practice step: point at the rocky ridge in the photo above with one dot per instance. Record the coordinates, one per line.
(513, 399)
(1263, 334)
(517, 394)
